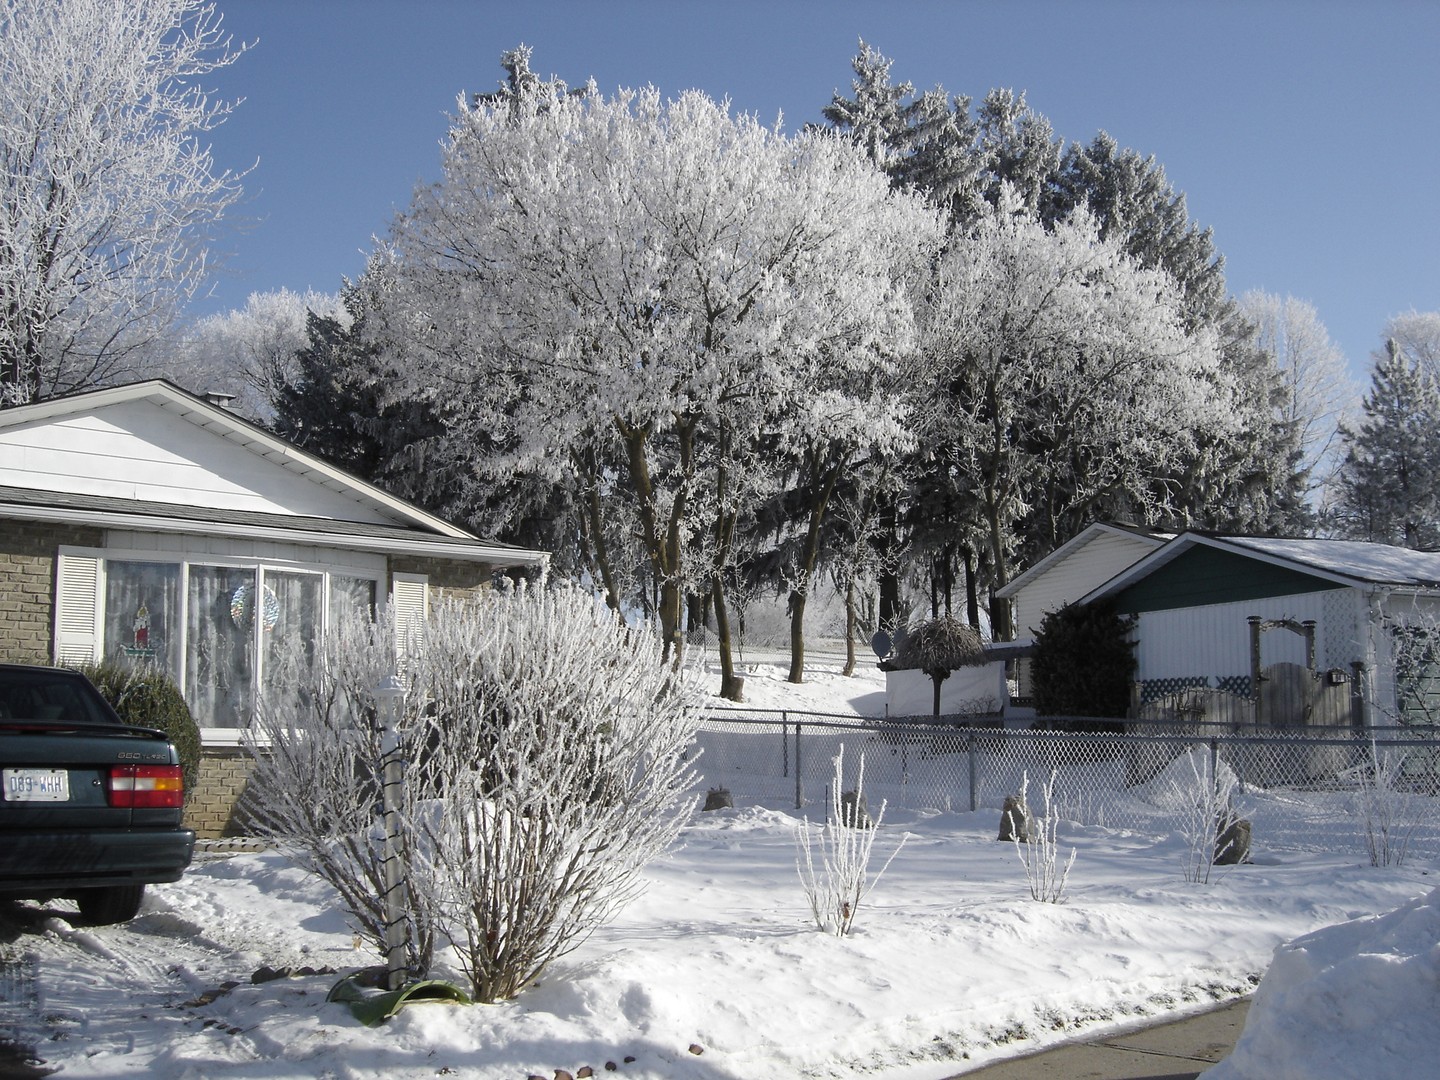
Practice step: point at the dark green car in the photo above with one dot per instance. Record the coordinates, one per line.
(90, 807)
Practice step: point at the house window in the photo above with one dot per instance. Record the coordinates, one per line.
(142, 615)
(220, 604)
(226, 633)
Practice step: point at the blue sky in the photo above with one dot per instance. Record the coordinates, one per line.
(1304, 134)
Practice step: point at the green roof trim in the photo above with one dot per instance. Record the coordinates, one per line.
(1205, 575)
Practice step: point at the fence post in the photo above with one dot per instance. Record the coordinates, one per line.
(784, 744)
(974, 772)
(1215, 764)
(799, 795)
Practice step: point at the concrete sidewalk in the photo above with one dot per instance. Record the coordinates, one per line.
(1176, 1050)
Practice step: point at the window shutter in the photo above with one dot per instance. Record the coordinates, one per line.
(410, 595)
(77, 609)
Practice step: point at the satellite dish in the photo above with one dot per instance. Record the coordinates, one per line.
(881, 643)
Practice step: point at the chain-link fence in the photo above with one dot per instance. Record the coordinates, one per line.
(1303, 789)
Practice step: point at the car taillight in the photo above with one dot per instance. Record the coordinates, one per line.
(147, 786)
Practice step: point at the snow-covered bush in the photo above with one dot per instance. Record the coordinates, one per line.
(846, 840)
(315, 790)
(546, 745)
(1390, 814)
(1201, 794)
(1039, 851)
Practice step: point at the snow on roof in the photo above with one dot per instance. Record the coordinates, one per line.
(1378, 564)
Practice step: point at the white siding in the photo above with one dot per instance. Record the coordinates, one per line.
(1086, 568)
(134, 450)
(1215, 640)
(912, 693)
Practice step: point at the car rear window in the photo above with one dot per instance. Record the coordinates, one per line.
(51, 697)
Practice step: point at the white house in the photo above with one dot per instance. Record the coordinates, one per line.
(1069, 572)
(1213, 611)
(141, 523)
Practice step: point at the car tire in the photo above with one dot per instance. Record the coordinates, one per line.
(104, 907)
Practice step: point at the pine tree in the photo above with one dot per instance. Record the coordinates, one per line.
(1390, 481)
(925, 142)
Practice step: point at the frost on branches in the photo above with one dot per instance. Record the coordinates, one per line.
(546, 764)
(107, 193)
(669, 308)
(1070, 377)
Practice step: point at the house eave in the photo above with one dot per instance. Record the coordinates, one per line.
(478, 551)
(1079, 540)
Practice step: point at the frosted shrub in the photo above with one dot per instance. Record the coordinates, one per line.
(315, 790)
(1390, 814)
(845, 843)
(1041, 855)
(545, 745)
(1202, 797)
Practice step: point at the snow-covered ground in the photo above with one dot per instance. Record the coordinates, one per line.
(717, 972)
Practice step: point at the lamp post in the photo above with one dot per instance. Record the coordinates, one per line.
(388, 698)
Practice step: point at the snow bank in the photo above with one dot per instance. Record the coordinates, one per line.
(1355, 1001)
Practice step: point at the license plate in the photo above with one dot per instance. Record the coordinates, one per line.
(37, 785)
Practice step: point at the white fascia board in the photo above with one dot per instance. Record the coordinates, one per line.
(477, 551)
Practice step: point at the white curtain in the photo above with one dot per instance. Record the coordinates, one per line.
(220, 642)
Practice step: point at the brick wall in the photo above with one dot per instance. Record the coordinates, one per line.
(447, 578)
(214, 810)
(27, 585)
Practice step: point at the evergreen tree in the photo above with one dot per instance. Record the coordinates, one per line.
(1390, 481)
(927, 142)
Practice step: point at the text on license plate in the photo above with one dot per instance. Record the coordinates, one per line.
(37, 785)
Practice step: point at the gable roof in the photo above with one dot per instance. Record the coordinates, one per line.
(237, 432)
(1353, 563)
(381, 521)
(1075, 544)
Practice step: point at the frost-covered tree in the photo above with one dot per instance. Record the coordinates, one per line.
(545, 752)
(1019, 149)
(1318, 390)
(1244, 478)
(1389, 488)
(1418, 335)
(1064, 378)
(653, 284)
(925, 142)
(249, 353)
(108, 195)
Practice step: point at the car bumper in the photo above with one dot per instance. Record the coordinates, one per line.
(41, 865)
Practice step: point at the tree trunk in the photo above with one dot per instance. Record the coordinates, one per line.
(850, 627)
(731, 687)
(972, 588)
(821, 488)
(889, 617)
(662, 541)
(797, 637)
(592, 538)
